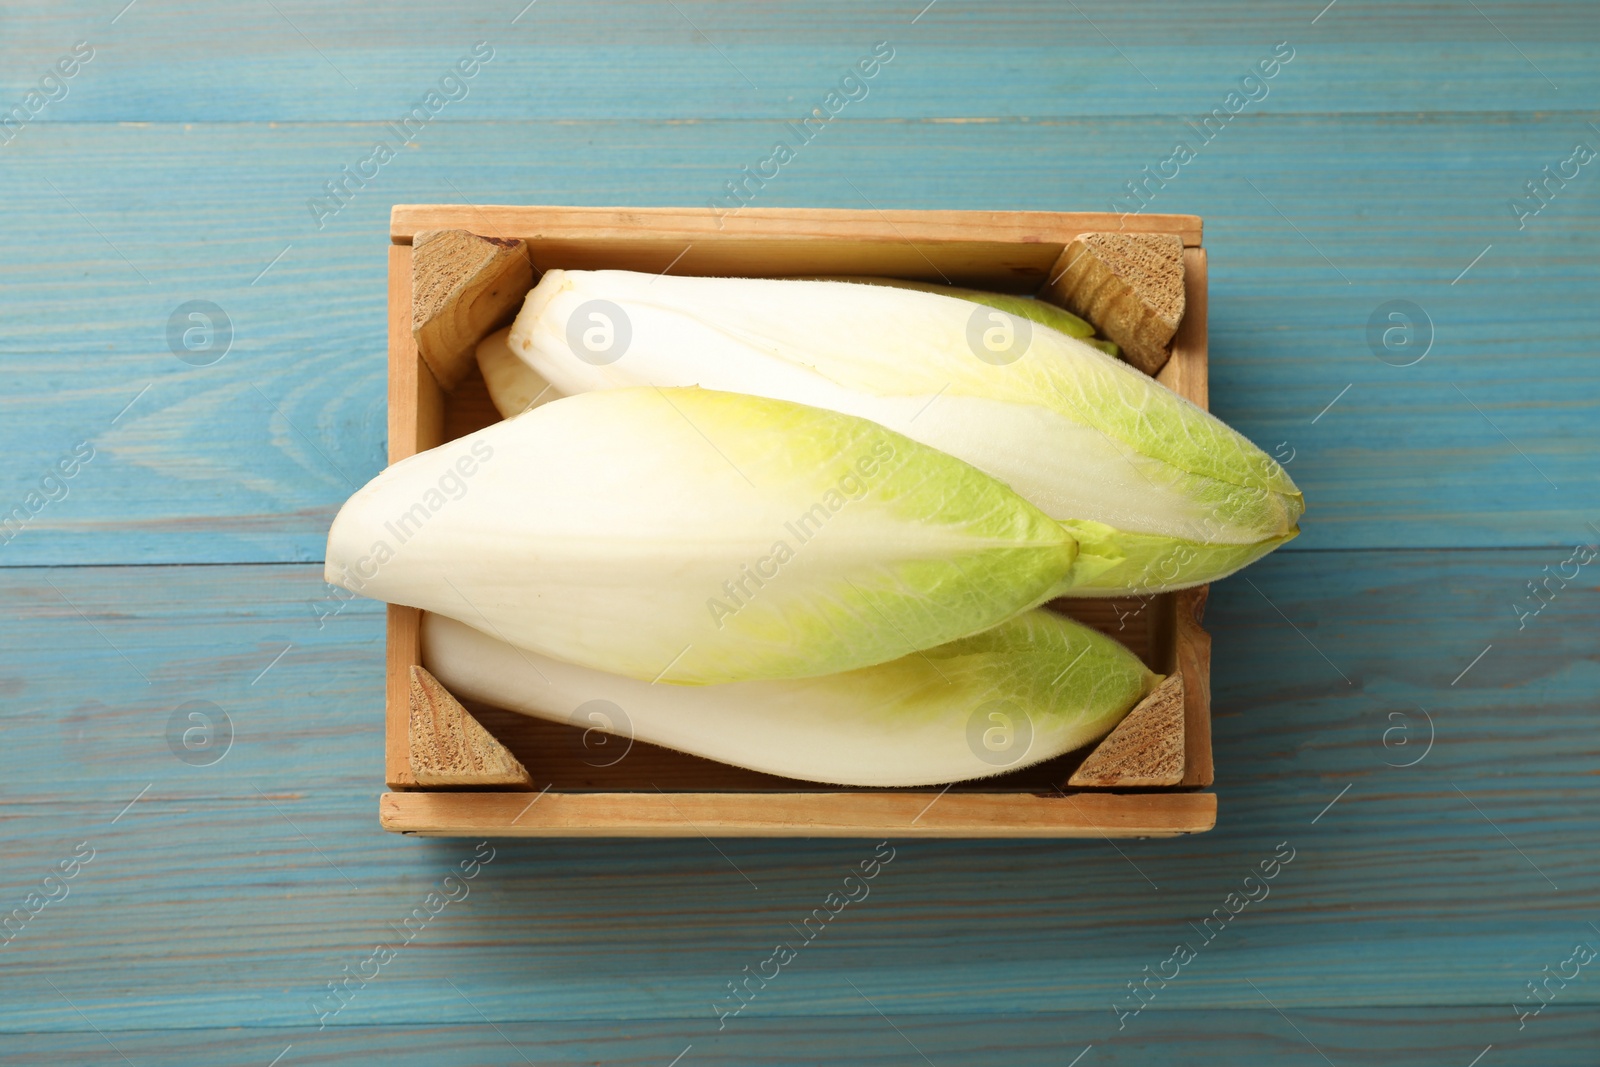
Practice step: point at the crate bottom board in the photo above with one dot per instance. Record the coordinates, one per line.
(927, 814)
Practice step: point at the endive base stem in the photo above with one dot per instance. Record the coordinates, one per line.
(1114, 562)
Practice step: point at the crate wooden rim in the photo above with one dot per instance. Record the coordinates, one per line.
(1027, 244)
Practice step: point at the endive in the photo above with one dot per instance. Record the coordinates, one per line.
(514, 387)
(1079, 434)
(1045, 314)
(1031, 308)
(1025, 691)
(698, 537)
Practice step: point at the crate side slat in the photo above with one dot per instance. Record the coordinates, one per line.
(1192, 647)
(1004, 267)
(842, 814)
(1187, 373)
(416, 420)
(832, 224)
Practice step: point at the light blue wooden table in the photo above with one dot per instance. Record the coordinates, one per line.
(208, 905)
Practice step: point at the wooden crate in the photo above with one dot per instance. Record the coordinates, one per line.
(655, 792)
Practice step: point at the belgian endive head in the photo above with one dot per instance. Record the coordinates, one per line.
(1079, 434)
(1029, 689)
(691, 536)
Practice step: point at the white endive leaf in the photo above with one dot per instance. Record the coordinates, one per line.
(699, 537)
(1035, 310)
(1076, 432)
(514, 387)
(1026, 691)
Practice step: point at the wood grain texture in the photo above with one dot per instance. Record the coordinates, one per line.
(448, 747)
(247, 459)
(558, 228)
(1145, 749)
(1193, 660)
(416, 413)
(208, 892)
(1193, 332)
(463, 287)
(1130, 285)
(909, 814)
(1378, 707)
(1403, 1037)
(183, 62)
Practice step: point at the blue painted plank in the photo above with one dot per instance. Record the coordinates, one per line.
(1425, 892)
(1485, 442)
(241, 888)
(305, 62)
(1240, 1038)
